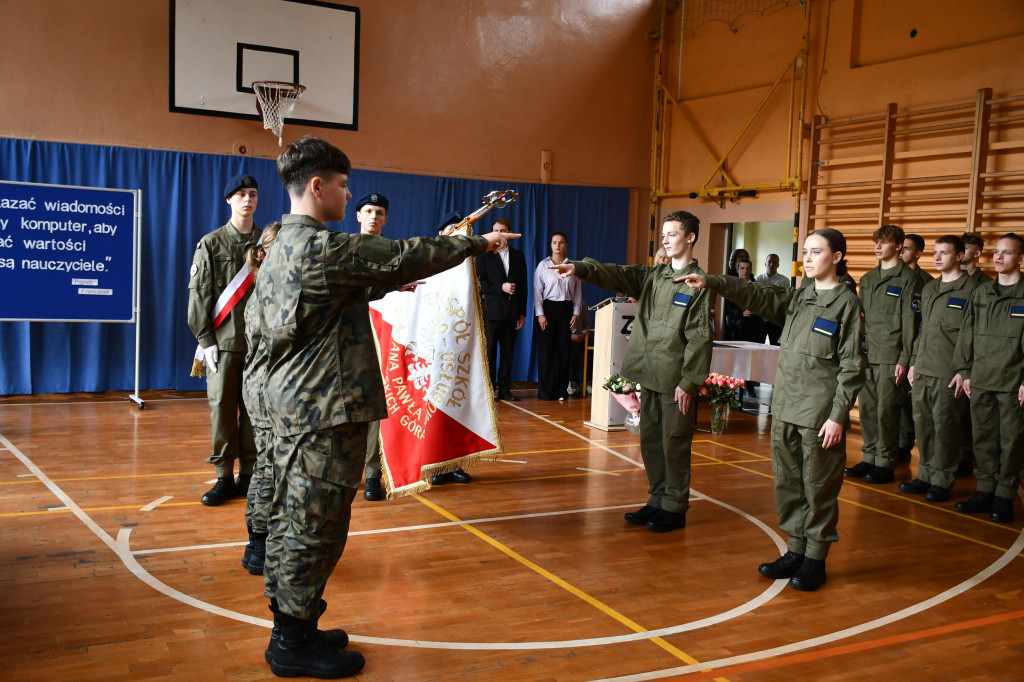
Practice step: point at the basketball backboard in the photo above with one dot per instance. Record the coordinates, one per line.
(219, 47)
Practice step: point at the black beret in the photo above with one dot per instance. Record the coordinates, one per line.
(448, 219)
(238, 182)
(374, 200)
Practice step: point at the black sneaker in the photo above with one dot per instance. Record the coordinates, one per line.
(981, 503)
(641, 516)
(936, 493)
(858, 470)
(915, 487)
(222, 490)
(785, 566)
(879, 475)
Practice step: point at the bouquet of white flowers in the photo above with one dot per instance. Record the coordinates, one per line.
(627, 393)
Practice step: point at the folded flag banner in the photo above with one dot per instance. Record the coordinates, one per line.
(433, 360)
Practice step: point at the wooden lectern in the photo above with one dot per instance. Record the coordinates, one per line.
(613, 323)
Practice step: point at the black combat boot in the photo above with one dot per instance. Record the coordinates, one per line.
(335, 638)
(810, 576)
(296, 651)
(785, 566)
(258, 556)
(248, 548)
(222, 490)
(242, 484)
(981, 503)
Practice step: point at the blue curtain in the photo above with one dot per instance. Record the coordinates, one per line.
(182, 199)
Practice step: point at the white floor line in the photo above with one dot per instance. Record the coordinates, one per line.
(598, 471)
(156, 503)
(829, 638)
(601, 446)
(121, 547)
(402, 529)
(511, 461)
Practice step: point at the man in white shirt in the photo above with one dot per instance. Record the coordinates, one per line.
(772, 276)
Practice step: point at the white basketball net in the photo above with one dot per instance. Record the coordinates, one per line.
(276, 101)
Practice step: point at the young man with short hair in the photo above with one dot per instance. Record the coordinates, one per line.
(218, 290)
(503, 286)
(891, 297)
(990, 358)
(669, 354)
(771, 275)
(974, 246)
(910, 254)
(939, 411)
(323, 385)
(372, 216)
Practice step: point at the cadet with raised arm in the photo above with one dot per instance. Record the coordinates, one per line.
(669, 354)
(821, 369)
(323, 386)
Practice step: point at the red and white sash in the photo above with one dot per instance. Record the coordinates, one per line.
(234, 292)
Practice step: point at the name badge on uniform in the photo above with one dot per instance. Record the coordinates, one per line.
(682, 300)
(1017, 311)
(825, 327)
(893, 290)
(957, 303)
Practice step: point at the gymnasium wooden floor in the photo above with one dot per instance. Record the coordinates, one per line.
(110, 569)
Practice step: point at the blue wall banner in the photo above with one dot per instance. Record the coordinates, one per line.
(67, 254)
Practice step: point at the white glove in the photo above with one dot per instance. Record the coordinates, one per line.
(212, 355)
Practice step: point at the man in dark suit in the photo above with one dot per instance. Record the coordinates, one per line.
(503, 285)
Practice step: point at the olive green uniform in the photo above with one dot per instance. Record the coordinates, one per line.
(218, 258)
(938, 414)
(966, 455)
(669, 347)
(821, 368)
(324, 384)
(907, 435)
(891, 301)
(990, 352)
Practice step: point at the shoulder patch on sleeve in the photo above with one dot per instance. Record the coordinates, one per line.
(915, 304)
(193, 271)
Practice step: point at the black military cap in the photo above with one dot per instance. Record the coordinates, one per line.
(238, 182)
(448, 219)
(374, 199)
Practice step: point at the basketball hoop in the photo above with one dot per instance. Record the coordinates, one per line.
(275, 101)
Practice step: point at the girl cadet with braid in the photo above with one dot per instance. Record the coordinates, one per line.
(261, 487)
(821, 369)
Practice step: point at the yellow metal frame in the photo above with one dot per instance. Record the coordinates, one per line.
(729, 188)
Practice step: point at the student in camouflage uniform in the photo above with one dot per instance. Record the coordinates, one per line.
(261, 487)
(669, 354)
(821, 369)
(939, 409)
(891, 297)
(323, 386)
(990, 355)
(218, 258)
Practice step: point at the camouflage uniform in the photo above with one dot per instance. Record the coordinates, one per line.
(892, 303)
(940, 417)
(820, 371)
(261, 487)
(218, 258)
(670, 346)
(323, 385)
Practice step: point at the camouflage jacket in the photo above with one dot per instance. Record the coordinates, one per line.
(254, 375)
(218, 257)
(315, 321)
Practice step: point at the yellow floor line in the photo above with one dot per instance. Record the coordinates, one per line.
(29, 479)
(600, 606)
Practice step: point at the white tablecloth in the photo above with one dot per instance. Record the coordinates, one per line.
(745, 360)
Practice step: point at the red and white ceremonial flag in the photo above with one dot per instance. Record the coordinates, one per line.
(434, 364)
